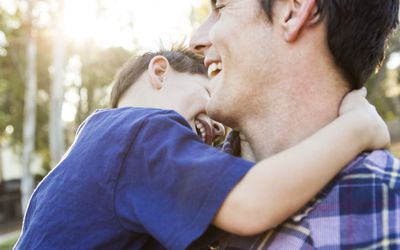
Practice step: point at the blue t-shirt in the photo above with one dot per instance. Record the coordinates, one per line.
(134, 178)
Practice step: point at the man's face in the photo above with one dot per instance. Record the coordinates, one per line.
(188, 94)
(236, 40)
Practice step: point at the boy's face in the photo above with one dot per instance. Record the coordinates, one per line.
(189, 95)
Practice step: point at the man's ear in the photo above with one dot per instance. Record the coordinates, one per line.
(158, 70)
(297, 16)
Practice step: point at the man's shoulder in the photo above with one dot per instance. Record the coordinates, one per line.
(375, 166)
(359, 180)
(357, 198)
(381, 159)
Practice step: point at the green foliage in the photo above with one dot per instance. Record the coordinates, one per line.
(377, 86)
(395, 149)
(98, 69)
(200, 13)
(12, 77)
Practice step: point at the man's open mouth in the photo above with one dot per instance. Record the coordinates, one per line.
(204, 130)
(214, 69)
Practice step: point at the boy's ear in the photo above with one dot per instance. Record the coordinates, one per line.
(298, 14)
(158, 69)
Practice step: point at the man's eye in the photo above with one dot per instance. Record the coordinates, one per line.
(219, 7)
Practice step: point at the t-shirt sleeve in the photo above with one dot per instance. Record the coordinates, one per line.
(172, 184)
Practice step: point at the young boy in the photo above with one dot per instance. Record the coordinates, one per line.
(139, 177)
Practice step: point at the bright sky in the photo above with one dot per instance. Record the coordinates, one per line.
(125, 22)
(119, 22)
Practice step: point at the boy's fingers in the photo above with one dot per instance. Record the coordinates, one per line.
(363, 91)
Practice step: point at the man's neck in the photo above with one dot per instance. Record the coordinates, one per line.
(292, 116)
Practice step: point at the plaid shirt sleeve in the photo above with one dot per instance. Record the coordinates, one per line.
(360, 209)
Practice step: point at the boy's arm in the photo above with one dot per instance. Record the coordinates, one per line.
(280, 185)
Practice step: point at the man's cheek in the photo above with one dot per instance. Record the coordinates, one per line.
(216, 32)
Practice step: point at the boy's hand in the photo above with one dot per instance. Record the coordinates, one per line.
(367, 122)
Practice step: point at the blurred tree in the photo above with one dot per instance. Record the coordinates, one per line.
(99, 66)
(199, 13)
(12, 79)
(56, 130)
(29, 124)
(12, 64)
(1, 163)
(379, 84)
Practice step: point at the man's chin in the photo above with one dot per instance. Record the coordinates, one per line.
(217, 111)
(212, 110)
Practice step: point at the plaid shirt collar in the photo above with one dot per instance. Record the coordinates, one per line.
(232, 144)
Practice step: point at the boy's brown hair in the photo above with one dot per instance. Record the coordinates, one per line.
(180, 58)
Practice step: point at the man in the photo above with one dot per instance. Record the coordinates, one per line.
(279, 70)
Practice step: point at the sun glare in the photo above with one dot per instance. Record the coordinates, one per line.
(79, 19)
(127, 23)
(131, 24)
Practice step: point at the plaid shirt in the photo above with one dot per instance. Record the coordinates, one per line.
(359, 209)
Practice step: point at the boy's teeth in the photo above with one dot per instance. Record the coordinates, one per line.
(201, 129)
(199, 125)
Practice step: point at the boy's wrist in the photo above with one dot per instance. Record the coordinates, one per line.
(360, 131)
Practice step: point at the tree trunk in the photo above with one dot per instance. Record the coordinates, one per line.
(29, 115)
(56, 131)
(1, 163)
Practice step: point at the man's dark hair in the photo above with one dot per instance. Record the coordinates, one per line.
(357, 33)
(180, 58)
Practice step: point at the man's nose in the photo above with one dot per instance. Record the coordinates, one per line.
(200, 41)
(219, 130)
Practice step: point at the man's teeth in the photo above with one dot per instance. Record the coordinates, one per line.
(202, 130)
(214, 69)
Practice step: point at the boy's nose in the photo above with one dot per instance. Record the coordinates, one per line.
(219, 130)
